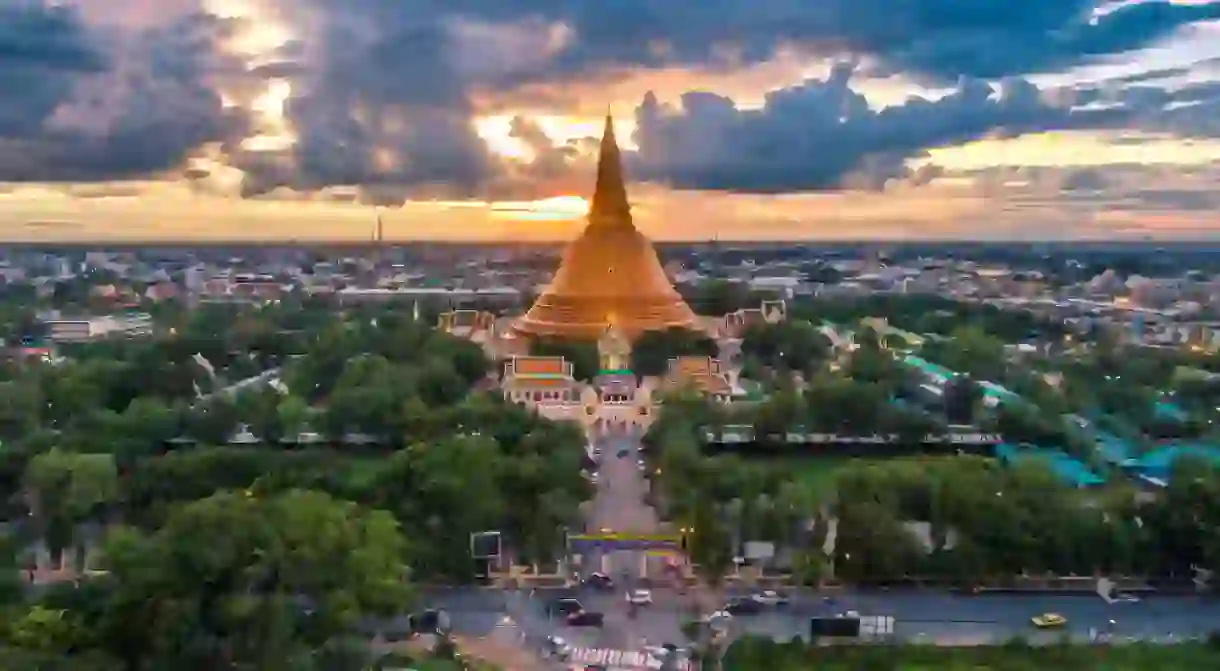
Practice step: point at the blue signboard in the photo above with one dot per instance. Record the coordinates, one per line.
(585, 544)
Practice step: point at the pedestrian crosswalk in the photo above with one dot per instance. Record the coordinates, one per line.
(623, 659)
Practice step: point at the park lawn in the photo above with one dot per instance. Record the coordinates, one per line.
(816, 473)
(819, 473)
(358, 473)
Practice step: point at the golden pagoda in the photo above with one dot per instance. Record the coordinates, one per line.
(610, 274)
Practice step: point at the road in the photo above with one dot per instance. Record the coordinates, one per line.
(618, 505)
(919, 615)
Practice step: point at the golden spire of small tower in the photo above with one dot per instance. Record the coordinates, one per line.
(609, 204)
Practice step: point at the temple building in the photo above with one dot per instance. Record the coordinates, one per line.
(536, 380)
(735, 324)
(466, 323)
(610, 270)
(701, 373)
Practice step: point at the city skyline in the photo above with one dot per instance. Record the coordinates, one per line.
(302, 119)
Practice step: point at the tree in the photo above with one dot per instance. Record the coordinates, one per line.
(709, 545)
(140, 430)
(721, 297)
(212, 422)
(66, 489)
(42, 629)
(19, 409)
(236, 580)
(440, 383)
(258, 407)
(961, 397)
(445, 491)
(840, 405)
(583, 355)
(793, 345)
(778, 415)
(293, 415)
(10, 574)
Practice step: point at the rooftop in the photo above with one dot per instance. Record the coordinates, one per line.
(1069, 469)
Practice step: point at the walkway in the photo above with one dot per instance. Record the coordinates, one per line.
(625, 659)
(264, 377)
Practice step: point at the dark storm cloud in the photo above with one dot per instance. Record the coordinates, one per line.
(938, 38)
(380, 105)
(81, 105)
(385, 98)
(42, 55)
(822, 134)
(382, 89)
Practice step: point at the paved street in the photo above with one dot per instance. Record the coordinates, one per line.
(618, 506)
(919, 614)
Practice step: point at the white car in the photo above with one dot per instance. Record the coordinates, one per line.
(639, 597)
(770, 598)
(719, 621)
(557, 647)
(660, 652)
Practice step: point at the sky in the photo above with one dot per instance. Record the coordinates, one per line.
(739, 119)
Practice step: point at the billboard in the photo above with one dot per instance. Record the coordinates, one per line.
(485, 545)
(590, 543)
(834, 627)
(851, 626)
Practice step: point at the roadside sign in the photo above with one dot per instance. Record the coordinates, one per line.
(583, 544)
(485, 545)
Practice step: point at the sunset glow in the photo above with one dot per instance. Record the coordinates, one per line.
(496, 131)
(257, 37)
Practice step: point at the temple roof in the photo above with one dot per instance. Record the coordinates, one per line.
(539, 366)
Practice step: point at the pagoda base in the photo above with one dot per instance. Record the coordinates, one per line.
(588, 318)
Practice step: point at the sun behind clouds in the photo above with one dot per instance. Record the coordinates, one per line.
(496, 131)
(559, 208)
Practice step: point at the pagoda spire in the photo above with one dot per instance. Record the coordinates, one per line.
(609, 204)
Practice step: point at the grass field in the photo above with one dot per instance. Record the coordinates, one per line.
(820, 473)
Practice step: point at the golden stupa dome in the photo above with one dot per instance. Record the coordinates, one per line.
(610, 274)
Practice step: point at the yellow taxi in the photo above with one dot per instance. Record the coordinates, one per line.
(1048, 620)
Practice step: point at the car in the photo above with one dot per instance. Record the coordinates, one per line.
(586, 619)
(621, 454)
(719, 620)
(566, 606)
(661, 652)
(594, 478)
(557, 647)
(770, 598)
(639, 597)
(1048, 620)
(429, 621)
(743, 607)
(600, 581)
